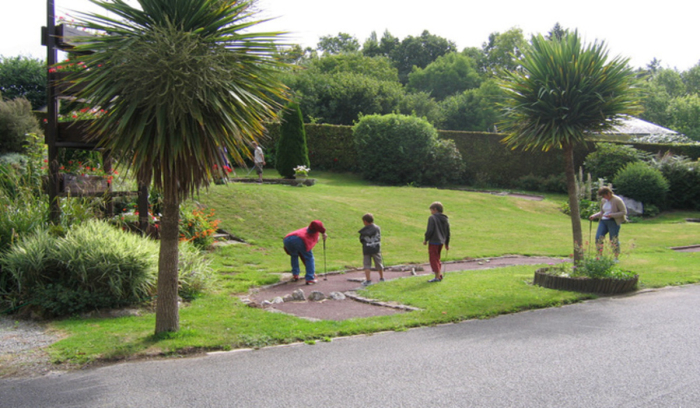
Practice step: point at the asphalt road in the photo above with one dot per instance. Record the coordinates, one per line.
(636, 351)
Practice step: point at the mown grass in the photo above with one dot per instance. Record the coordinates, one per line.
(483, 225)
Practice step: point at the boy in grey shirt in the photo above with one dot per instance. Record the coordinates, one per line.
(370, 237)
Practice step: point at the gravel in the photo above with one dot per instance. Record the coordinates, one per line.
(21, 348)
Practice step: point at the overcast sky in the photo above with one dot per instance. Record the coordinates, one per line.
(637, 30)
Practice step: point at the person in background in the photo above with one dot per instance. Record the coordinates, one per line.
(612, 214)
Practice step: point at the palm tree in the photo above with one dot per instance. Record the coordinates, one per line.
(563, 91)
(182, 81)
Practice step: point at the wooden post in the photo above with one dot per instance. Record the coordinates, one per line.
(52, 117)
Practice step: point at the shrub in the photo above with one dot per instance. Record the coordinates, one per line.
(530, 182)
(586, 208)
(683, 176)
(195, 276)
(94, 266)
(16, 121)
(555, 183)
(197, 225)
(641, 182)
(609, 158)
(393, 149)
(444, 165)
(291, 149)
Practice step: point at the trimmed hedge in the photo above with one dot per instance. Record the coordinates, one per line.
(487, 160)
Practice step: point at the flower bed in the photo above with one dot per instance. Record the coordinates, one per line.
(546, 279)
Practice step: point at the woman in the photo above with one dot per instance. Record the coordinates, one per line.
(612, 214)
(299, 243)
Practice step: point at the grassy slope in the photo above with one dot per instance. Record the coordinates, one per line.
(482, 225)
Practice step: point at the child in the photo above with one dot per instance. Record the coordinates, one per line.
(370, 237)
(437, 235)
(299, 244)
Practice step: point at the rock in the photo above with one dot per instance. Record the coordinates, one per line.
(298, 295)
(337, 296)
(316, 296)
(420, 269)
(633, 207)
(266, 303)
(288, 298)
(277, 300)
(413, 271)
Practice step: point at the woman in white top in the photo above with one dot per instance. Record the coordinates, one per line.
(612, 214)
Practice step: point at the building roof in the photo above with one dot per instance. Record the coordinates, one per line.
(629, 125)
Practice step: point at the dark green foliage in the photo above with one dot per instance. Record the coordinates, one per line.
(651, 210)
(393, 149)
(641, 182)
(291, 147)
(419, 52)
(449, 74)
(340, 97)
(609, 158)
(444, 165)
(684, 182)
(23, 77)
(554, 183)
(116, 267)
(16, 120)
(473, 110)
(586, 208)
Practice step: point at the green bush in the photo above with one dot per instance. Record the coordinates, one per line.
(393, 149)
(16, 121)
(610, 158)
(530, 182)
(641, 182)
(54, 273)
(444, 164)
(555, 183)
(683, 176)
(292, 150)
(195, 276)
(586, 208)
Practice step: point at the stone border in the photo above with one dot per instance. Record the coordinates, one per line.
(380, 303)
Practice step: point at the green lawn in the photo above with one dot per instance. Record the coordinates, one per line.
(483, 225)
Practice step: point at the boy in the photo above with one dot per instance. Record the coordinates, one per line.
(437, 235)
(370, 237)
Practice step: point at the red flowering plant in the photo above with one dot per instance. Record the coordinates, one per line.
(198, 226)
(68, 66)
(82, 114)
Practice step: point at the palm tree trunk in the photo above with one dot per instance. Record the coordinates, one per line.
(570, 172)
(167, 314)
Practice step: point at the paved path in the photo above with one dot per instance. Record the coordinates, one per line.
(634, 351)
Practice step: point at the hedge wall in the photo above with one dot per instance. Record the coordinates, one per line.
(488, 161)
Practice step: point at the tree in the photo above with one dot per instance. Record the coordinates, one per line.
(448, 75)
(16, 121)
(685, 115)
(503, 51)
(291, 146)
(557, 32)
(341, 44)
(473, 109)
(563, 91)
(182, 80)
(383, 47)
(691, 79)
(419, 52)
(23, 77)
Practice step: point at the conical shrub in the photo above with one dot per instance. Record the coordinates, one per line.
(291, 147)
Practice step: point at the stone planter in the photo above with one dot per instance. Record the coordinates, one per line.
(607, 286)
(302, 182)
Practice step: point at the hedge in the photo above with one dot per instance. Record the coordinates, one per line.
(488, 161)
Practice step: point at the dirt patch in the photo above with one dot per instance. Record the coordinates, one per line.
(350, 281)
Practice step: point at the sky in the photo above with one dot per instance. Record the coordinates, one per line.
(636, 30)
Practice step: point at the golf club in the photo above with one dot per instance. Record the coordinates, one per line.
(442, 273)
(590, 232)
(325, 269)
